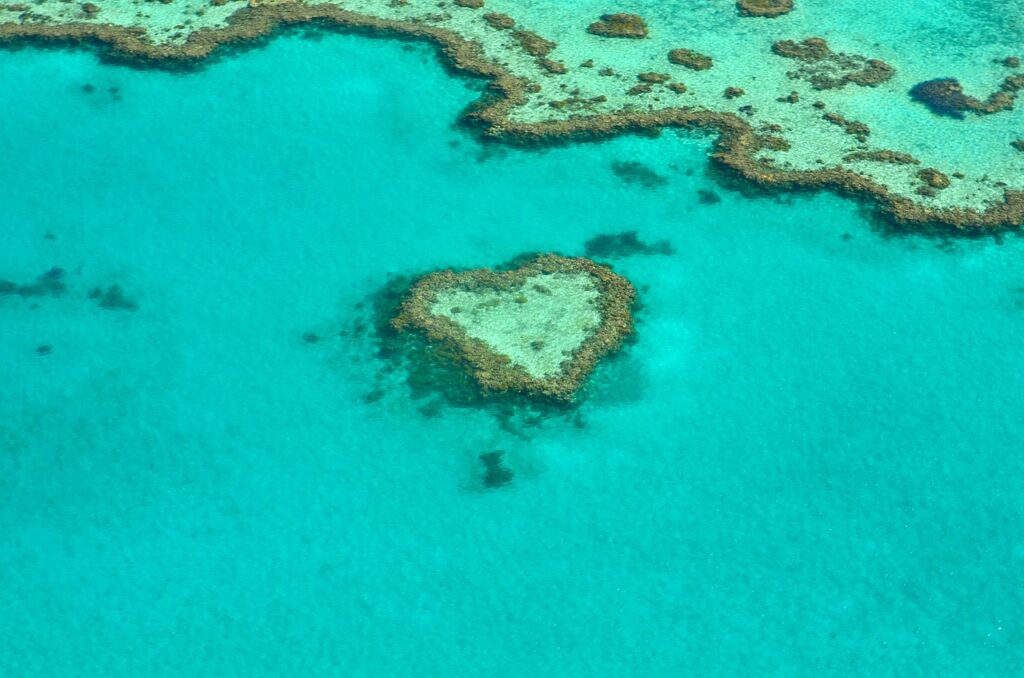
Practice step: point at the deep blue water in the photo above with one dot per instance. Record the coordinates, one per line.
(809, 463)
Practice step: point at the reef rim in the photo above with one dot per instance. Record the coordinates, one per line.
(493, 371)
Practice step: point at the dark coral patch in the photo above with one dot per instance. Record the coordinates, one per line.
(825, 69)
(621, 25)
(638, 173)
(496, 473)
(113, 299)
(533, 44)
(48, 284)
(626, 244)
(764, 8)
(706, 197)
(945, 96)
(690, 59)
(502, 22)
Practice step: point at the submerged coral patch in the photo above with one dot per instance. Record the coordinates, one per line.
(501, 22)
(946, 96)
(496, 474)
(825, 69)
(538, 329)
(764, 8)
(619, 25)
(886, 156)
(690, 59)
(626, 244)
(638, 173)
(48, 284)
(112, 298)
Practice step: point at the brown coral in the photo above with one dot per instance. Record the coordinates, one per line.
(690, 59)
(852, 127)
(552, 66)
(502, 22)
(764, 8)
(621, 25)
(825, 69)
(945, 96)
(886, 156)
(533, 44)
(652, 77)
(934, 178)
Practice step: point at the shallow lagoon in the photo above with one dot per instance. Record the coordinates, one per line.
(809, 462)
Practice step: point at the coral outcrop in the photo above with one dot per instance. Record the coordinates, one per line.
(825, 69)
(764, 8)
(690, 59)
(945, 96)
(619, 25)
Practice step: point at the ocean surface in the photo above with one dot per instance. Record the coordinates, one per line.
(809, 463)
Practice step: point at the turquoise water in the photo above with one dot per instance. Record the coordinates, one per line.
(809, 463)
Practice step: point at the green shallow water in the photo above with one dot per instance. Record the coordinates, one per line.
(809, 462)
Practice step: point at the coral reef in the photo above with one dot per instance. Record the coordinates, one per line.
(891, 157)
(533, 44)
(519, 89)
(47, 284)
(538, 329)
(706, 197)
(933, 178)
(621, 25)
(552, 66)
(764, 8)
(653, 78)
(638, 173)
(825, 69)
(496, 473)
(502, 22)
(112, 298)
(945, 96)
(626, 244)
(851, 127)
(690, 59)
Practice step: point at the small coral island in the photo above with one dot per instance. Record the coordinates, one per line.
(538, 329)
